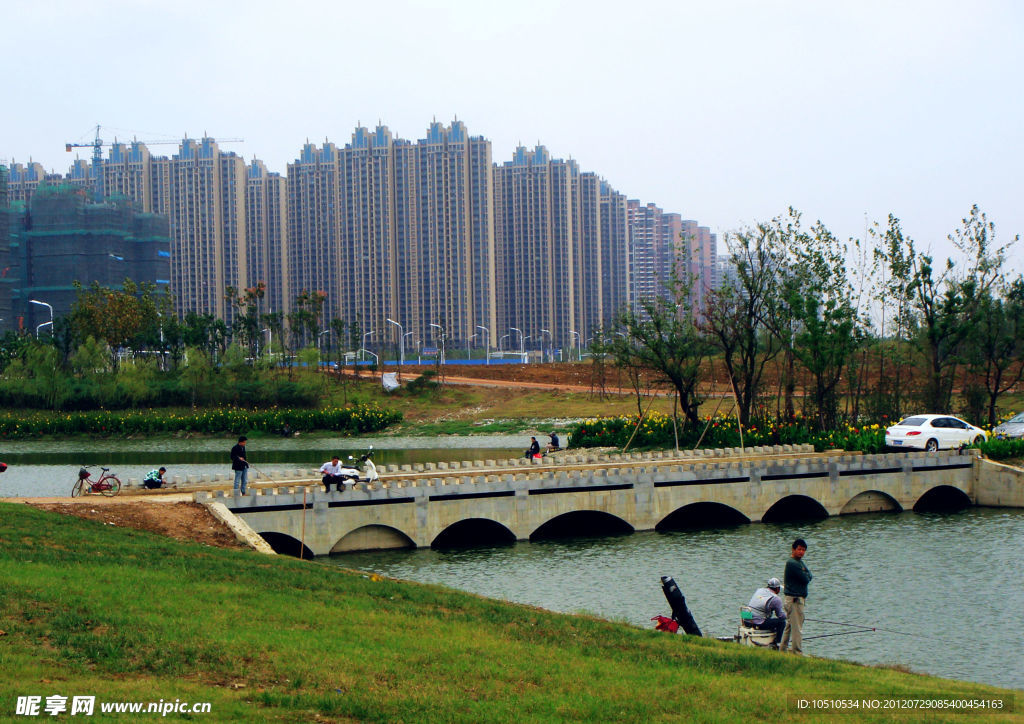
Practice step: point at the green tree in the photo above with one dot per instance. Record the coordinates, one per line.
(737, 316)
(996, 344)
(661, 339)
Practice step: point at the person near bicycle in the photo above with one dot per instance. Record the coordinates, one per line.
(154, 479)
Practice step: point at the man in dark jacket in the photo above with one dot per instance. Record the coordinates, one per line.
(796, 579)
(240, 465)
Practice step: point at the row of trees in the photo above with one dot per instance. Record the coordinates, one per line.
(897, 333)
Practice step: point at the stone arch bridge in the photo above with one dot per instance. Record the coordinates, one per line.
(513, 500)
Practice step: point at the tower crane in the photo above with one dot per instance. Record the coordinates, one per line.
(98, 143)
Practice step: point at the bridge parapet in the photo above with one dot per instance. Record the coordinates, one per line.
(416, 508)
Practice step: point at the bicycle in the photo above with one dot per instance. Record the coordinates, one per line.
(108, 484)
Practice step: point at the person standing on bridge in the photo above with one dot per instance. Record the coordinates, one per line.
(240, 465)
(796, 579)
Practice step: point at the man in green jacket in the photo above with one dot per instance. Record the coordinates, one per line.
(796, 579)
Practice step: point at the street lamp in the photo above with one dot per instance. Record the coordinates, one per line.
(412, 331)
(487, 345)
(48, 306)
(401, 341)
(502, 339)
(365, 335)
(467, 345)
(523, 348)
(579, 344)
(551, 343)
(522, 342)
(442, 339)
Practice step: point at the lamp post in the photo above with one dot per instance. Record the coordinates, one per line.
(551, 343)
(365, 335)
(487, 345)
(579, 344)
(467, 345)
(442, 340)
(523, 349)
(401, 342)
(48, 306)
(522, 342)
(502, 339)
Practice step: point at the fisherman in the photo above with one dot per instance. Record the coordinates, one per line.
(764, 603)
(534, 450)
(797, 577)
(154, 479)
(553, 444)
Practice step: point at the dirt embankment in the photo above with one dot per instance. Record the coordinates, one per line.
(183, 521)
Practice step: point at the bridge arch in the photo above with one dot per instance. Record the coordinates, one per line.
(942, 499)
(701, 515)
(581, 524)
(472, 532)
(286, 545)
(871, 501)
(793, 508)
(373, 538)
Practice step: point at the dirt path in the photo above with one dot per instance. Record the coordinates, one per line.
(171, 515)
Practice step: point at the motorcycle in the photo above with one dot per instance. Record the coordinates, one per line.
(361, 470)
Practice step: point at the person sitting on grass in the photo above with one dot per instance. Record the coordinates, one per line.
(154, 479)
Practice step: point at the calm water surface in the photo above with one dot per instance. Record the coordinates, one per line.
(950, 584)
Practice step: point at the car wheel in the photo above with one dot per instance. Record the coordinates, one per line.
(977, 440)
(932, 445)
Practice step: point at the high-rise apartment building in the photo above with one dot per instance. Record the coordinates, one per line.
(453, 266)
(266, 229)
(428, 233)
(695, 257)
(615, 255)
(537, 245)
(205, 207)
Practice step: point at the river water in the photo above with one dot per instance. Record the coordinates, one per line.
(948, 587)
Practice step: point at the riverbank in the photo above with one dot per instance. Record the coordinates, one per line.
(92, 609)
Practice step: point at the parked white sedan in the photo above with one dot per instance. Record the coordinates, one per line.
(933, 432)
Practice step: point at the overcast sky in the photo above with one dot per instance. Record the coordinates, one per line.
(726, 112)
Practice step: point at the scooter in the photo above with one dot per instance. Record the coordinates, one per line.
(352, 472)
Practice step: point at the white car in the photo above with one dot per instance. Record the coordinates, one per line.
(933, 432)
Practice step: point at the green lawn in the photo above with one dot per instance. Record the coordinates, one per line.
(96, 610)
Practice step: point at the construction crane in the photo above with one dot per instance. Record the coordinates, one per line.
(97, 145)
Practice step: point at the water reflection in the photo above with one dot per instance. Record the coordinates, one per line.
(950, 581)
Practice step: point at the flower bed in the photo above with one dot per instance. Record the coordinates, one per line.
(356, 419)
(655, 430)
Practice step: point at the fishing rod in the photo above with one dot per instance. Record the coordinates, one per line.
(841, 633)
(860, 625)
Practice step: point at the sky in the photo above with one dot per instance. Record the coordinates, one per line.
(727, 112)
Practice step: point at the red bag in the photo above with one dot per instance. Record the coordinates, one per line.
(665, 624)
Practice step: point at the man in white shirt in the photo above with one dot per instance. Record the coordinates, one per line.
(332, 475)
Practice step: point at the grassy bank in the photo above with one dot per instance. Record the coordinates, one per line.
(125, 615)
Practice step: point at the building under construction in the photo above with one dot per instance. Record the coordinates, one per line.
(60, 238)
